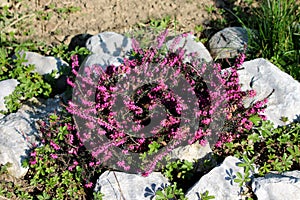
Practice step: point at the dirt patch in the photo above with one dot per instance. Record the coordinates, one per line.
(55, 21)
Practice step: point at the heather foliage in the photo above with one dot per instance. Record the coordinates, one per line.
(194, 101)
(60, 167)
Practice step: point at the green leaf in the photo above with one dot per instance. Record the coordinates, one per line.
(255, 119)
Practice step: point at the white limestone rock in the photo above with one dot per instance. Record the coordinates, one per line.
(219, 182)
(7, 87)
(190, 152)
(103, 60)
(119, 185)
(43, 64)
(228, 43)
(285, 186)
(18, 132)
(191, 46)
(109, 43)
(264, 77)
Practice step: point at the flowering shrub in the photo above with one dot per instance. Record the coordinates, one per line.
(61, 167)
(132, 115)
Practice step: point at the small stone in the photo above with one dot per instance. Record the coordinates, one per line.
(7, 87)
(109, 43)
(228, 43)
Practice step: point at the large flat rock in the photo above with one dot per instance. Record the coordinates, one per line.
(219, 182)
(285, 186)
(19, 133)
(119, 185)
(264, 77)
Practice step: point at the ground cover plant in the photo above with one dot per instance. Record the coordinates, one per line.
(271, 149)
(62, 168)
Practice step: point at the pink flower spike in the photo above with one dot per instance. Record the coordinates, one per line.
(33, 154)
(218, 144)
(70, 138)
(252, 93)
(91, 164)
(32, 162)
(73, 151)
(88, 185)
(55, 146)
(70, 82)
(70, 168)
(53, 156)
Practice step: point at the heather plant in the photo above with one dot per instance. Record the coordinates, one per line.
(61, 168)
(113, 105)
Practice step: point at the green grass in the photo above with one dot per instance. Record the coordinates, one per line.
(277, 24)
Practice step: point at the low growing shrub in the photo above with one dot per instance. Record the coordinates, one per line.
(112, 105)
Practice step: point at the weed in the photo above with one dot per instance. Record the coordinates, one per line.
(210, 9)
